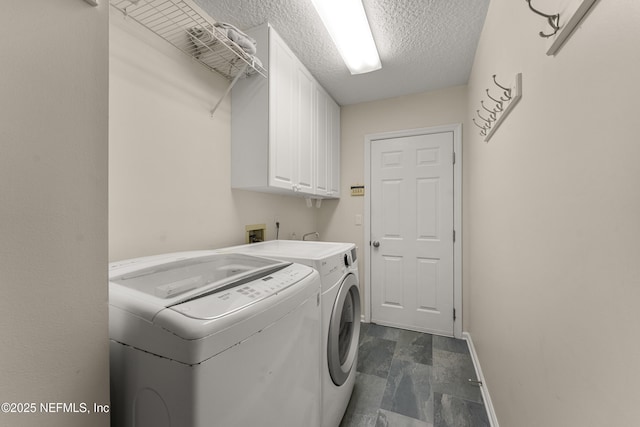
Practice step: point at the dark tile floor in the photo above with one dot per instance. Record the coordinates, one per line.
(409, 379)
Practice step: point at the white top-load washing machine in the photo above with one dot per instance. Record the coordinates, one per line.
(203, 339)
(337, 265)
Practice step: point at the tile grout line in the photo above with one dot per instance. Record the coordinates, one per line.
(396, 357)
(463, 347)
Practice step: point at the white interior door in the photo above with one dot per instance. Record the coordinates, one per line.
(411, 232)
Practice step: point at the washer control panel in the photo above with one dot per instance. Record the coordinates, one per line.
(238, 297)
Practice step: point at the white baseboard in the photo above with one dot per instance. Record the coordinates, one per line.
(491, 414)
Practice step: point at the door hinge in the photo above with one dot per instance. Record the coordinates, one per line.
(454, 157)
(454, 235)
(454, 314)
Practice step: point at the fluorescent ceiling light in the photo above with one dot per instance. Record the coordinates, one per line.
(348, 26)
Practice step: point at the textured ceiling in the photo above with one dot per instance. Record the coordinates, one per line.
(423, 44)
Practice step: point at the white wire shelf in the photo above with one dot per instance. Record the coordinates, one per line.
(184, 25)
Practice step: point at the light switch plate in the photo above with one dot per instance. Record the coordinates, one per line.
(357, 190)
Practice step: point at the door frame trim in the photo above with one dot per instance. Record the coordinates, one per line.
(456, 128)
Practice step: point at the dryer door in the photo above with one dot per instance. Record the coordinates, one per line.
(344, 331)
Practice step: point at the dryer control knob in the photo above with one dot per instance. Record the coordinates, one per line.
(346, 260)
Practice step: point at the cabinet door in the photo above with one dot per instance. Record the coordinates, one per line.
(303, 119)
(334, 143)
(322, 143)
(282, 136)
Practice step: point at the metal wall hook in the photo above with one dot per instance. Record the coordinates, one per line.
(484, 128)
(507, 91)
(489, 120)
(497, 101)
(492, 113)
(552, 20)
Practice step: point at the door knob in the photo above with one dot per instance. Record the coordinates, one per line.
(376, 244)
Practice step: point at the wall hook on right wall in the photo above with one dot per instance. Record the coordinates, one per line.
(552, 20)
(563, 23)
(503, 105)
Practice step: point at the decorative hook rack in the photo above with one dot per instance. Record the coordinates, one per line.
(502, 106)
(563, 23)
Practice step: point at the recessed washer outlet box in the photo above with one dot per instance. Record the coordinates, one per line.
(255, 233)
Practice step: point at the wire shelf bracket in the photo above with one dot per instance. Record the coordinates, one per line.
(188, 28)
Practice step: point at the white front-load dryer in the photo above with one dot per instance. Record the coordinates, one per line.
(202, 339)
(337, 265)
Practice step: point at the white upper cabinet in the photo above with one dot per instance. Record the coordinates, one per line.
(327, 145)
(283, 129)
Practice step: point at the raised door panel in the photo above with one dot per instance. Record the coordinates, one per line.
(282, 102)
(322, 143)
(305, 111)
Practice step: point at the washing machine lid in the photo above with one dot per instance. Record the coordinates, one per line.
(190, 307)
(294, 249)
(145, 286)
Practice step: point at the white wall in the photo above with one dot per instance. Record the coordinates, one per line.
(337, 217)
(169, 169)
(553, 209)
(53, 209)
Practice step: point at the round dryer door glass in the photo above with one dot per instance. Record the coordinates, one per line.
(344, 331)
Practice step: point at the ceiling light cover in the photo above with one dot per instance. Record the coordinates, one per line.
(347, 24)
